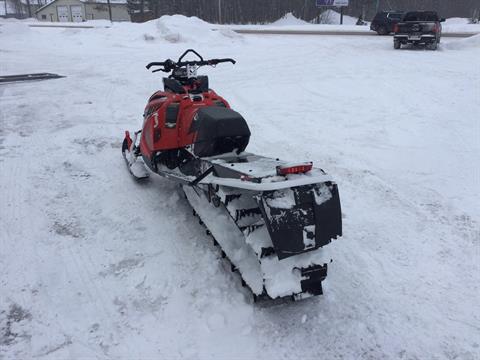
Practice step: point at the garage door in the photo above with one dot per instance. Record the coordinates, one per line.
(62, 12)
(77, 15)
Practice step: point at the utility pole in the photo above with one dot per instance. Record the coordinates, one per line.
(341, 15)
(377, 6)
(109, 10)
(219, 11)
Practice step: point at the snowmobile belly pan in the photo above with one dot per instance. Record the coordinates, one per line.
(302, 218)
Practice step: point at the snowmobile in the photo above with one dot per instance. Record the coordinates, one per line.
(270, 217)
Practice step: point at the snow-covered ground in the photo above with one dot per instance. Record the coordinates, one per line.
(95, 265)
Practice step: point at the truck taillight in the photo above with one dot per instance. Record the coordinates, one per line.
(294, 169)
(395, 28)
(435, 28)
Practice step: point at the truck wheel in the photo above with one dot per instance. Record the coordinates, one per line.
(397, 45)
(433, 45)
(382, 30)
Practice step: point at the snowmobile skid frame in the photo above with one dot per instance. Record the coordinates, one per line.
(271, 232)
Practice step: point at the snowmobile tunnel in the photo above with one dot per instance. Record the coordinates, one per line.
(218, 131)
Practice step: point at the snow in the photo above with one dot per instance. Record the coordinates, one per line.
(282, 199)
(289, 19)
(15, 28)
(178, 28)
(472, 42)
(448, 27)
(456, 21)
(96, 265)
(328, 17)
(333, 17)
(322, 194)
(230, 237)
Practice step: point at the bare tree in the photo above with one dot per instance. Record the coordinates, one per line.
(262, 11)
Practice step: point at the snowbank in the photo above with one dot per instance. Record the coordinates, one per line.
(472, 42)
(456, 21)
(332, 17)
(460, 25)
(182, 29)
(327, 17)
(289, 19)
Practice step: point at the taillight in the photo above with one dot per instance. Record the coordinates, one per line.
(246, 178)
(395, 28)
(294, 168)
(435, 28)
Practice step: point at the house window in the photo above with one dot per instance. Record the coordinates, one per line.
(44, 17)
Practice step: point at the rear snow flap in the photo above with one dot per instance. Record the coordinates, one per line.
(302, 218)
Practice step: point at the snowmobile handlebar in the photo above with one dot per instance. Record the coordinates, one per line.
(170, 65)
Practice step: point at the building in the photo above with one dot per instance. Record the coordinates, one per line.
(82, 10)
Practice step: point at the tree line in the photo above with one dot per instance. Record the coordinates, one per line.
(265, 11)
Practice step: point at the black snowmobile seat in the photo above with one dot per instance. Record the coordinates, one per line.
(219, 131)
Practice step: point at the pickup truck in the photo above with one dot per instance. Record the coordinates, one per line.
(418, 27)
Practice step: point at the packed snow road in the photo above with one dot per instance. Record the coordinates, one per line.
(96, 265)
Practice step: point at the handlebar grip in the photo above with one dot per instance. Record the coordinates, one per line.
(149, 65)
(224, 60)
